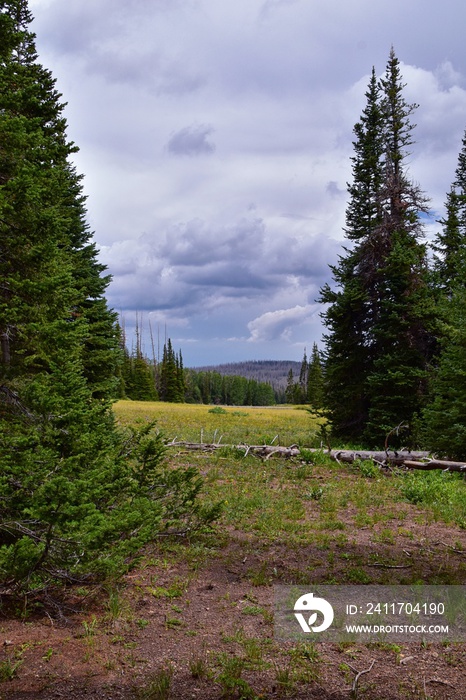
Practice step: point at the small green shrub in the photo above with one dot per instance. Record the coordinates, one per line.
(285, 678)
(260, 576)
(198, 667)
(305, 650)
(218, 410)
(230, 677)
(315, 494)
(58, 525)
(231, 452)
(444, 492)
(322, 459)
(302, 472)
(357, 575)
(306, 455)
(367, 468)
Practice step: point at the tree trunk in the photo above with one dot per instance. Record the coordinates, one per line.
(5, 347)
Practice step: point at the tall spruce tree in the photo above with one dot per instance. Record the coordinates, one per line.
(171, 378)
(55, 438)
(445, 417)
(353, 306)
(315, 380)
(378, 346)
(450, 242)
(47, 220)
(402, 341)
(75, 497)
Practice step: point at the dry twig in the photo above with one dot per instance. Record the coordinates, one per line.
(439, 680)
(354, 689)
(391, 566)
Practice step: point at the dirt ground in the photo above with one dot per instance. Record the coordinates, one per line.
(183, 618)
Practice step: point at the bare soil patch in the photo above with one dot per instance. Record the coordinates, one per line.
(198, 616)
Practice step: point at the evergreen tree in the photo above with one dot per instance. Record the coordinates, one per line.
(353, 304)
(445, 417)
(290, 387)
(75, 497)
(172, 383)
(315, 380)
(303, 378)
(47, 193)
(139, 375)
(180, 376)
(450, 242)
(140, 382)
(402, 340)
(378, 345)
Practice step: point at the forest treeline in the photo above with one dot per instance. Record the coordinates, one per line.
(274, 372)
(142, 379)
(253, 383)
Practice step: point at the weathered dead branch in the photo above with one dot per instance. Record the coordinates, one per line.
(407, 460)
(355, 689)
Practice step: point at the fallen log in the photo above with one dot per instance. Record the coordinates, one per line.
(446, 465)
(391, 458)
(259, 450)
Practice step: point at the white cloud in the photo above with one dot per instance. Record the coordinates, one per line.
(279, 324)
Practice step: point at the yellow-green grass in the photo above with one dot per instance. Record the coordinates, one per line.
(284, 425)
(307, 499)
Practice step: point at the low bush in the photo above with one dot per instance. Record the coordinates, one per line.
(87, 515)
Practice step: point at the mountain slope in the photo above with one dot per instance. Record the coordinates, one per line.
(275, 372)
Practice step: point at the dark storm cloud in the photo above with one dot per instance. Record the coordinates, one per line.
(191, 141)
(193, 267)
(198, 243)
(190, 264)
(231, 277)
(307, 258)
(279, 324)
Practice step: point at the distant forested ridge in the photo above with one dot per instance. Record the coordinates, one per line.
(233, 390)
(246, 383)
(273, 372)
(167, 380)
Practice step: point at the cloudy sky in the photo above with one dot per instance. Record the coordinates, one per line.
(215, 139)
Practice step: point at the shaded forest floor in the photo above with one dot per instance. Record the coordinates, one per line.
(195, 618)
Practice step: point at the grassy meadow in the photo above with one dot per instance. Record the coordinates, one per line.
(302, 521)
(285, 425)
(194, 618)
(311, 498)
